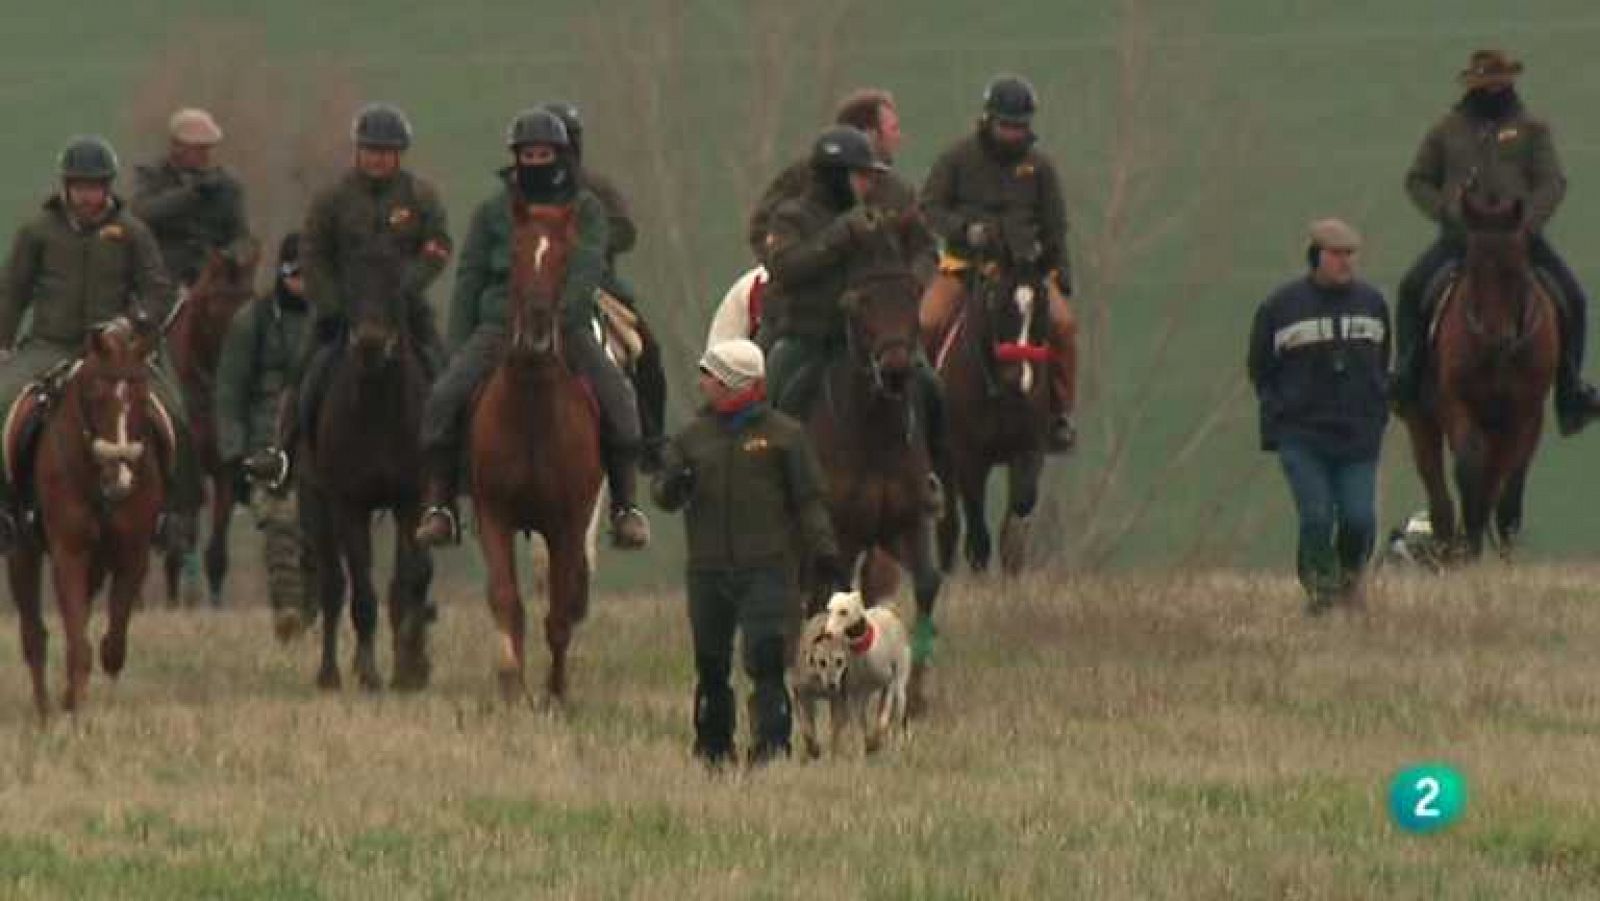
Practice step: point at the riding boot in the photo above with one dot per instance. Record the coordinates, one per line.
(176, 528)
(770, 716)
(440, 525)
(935, 432)
(8, 518)
(713, 717)
(630, 530)
(650, 384)
(1577, 402)
(1405, 384)
(1063, 366)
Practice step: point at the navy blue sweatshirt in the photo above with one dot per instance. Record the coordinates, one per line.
(1319, 358)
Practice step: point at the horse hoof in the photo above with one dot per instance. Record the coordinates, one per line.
(287, 625)
(412, 677)
(369, 680)
(512, 688)
(328, 679)
(917, 692)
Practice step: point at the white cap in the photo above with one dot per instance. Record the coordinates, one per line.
(194, 126)
(737, 363)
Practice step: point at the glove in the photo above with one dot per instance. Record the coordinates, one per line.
(863, 222)
(979, 233)
(831, 571)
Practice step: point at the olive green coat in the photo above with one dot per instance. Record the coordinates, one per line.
(259, 359)
(357, 212)
(1514, 158)
(191, 213)
(73, 277)
(483, 274)
(757, 491)
(970, 183)
(891, 192)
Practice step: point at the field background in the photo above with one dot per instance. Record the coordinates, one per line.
(1130, 730)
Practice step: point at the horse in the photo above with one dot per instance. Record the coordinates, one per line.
(363, 455)
(994, 364)
(195, 334)
(100, 478)
(864, 428)
(1495, 349)
(534, 454)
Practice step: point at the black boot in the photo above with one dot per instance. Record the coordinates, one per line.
(1410, 351)
(770, 716)
(9, 535)
(650, 384)
(1576, 401)
(936, 433)
(440, 525)
(630, 530)
(713, 720)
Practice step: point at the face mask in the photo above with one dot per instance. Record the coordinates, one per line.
(550, 183)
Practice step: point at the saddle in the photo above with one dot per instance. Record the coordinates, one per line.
(618, 327)
(1442, 290)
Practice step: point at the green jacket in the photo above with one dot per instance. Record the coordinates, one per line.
(1515, 158)
(191, 214)
(483, 274)
(73, 277)
(891, 193)
(258, 363)
(970, 182)
(356, 212)
(756, 490)
(806, 253)
(623, 234)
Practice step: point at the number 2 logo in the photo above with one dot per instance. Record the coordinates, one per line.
(1427, 798)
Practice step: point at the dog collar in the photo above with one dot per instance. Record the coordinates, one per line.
(863, 644)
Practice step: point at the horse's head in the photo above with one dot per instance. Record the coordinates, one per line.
(225, 284)
(113, 403)
(882, 311)
(375, 292)
(1488, 212)
(542, 240)
(1014, 307)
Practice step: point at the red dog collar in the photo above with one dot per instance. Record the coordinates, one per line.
(864, 643)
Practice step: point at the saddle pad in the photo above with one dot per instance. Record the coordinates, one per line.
(20, 411)
(950, 336)
(27, 404)
(622, 328)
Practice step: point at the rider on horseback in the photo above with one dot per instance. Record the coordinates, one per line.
(192, 206)
(542, 173)
(1489, 142)
(815, 241)
(82, 261)
(991, 194)
(648, 377)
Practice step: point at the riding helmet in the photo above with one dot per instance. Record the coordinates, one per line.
(381, 126)
(88, 157)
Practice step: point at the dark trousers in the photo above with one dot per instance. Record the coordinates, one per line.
(1335, 499)
(760, 603)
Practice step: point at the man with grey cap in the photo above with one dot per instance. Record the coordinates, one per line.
(1319, 357)
(192, 205)
(752, 493)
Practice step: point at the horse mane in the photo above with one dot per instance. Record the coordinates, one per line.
(1497, 242)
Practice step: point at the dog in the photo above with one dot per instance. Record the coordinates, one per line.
(818, 675)
(879, 663)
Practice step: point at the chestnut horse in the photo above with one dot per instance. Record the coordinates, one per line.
(100, 482)
(195, 335)
(870, 444)
(534, 453)
(994, 363)
(1491, 368)
(365, 456)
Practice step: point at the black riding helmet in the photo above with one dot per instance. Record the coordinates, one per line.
(89, 158)
(1009, 99)
(381, 126)
(846, 148)
(568, 114)
(538, 125)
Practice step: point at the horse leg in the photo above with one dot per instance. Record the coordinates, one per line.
(568, 604)
(974, 493)
(217, 541)
(172, 565)
(70, 571)
(25, 568)
(917, 552)
(1508, 513)
(329, 568)
(1472, 482)
(1023, 496)
(1427, 452)
(949, 533)
(409, 612)
(355, 538)
(505, 604)
(127, 580)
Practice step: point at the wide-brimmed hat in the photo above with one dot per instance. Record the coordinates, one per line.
(194, 126)
(1489, 68)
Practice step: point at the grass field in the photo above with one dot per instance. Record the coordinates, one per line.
(1128, 737)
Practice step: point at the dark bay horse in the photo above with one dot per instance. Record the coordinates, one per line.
(869, 442)
(365, 456)
(534, 452)
(1490, 369)
(994, 363)
(195, 336)
(100, 480)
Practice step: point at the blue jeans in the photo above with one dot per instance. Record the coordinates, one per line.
(1336, 501)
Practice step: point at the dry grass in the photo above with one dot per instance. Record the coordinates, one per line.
(1129, 737)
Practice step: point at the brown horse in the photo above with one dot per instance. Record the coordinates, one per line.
(869, 443)
(994, 366)
(535, 453)
(100, 483)
(1491, 368)
(195, 335)
(363, 456)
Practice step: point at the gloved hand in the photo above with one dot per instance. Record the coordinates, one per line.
(863, 222)
(832, 571)
(979, 233)
(207, 182)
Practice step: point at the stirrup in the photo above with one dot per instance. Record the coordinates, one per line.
(268, 467)
(622, 536)
(428, 536)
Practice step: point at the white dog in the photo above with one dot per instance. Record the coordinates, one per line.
(879, 666)
(818, 675)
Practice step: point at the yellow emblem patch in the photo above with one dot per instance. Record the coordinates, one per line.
(756, 445)
(401, 215)
(1507, 134)
(113, 231)
(1025, 169)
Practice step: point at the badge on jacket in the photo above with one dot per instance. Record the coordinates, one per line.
(1025, 169)
(112, 231)
(1507, 134)
(400, 216)
(756, 445)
